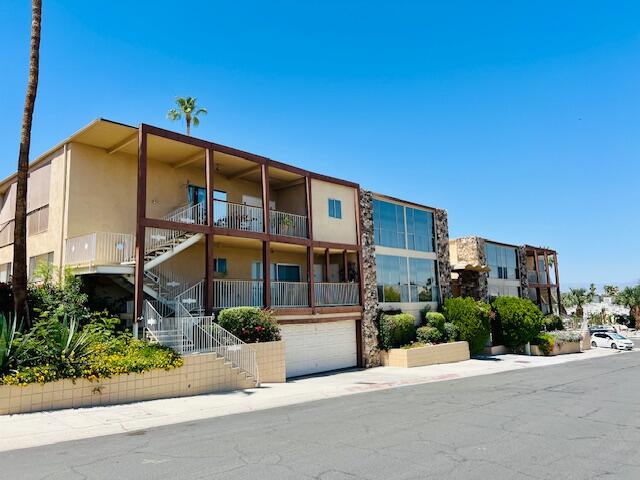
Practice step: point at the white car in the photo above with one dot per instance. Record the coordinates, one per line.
(611, 340)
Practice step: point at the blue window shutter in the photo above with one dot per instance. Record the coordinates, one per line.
(338, 209)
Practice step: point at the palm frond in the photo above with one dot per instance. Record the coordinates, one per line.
(174, 115)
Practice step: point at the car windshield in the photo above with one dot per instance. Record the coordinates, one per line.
(617, 336)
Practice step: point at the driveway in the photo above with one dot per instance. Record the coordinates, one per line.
(574, 420)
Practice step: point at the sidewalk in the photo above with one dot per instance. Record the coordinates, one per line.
(42, 428)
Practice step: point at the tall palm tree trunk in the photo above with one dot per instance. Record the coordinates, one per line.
(187, 119)
(20, 234)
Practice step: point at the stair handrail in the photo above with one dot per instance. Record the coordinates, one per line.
(156, 238)
(149, 312)
(196, 290)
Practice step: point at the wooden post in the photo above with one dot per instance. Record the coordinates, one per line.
(311, 279)
(141, 213)
(327, 263)
(266, 274)
(345, 263)
(264, 170)
(209, 254)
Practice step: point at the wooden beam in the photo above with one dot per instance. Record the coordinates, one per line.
(264, 170)
(292, 183)
(345, 262)
(327, 262)
(120, 145)
(311, 279)
(209, 253)
(141, 211)
(192, 158)
(245, 172)
(266, 274)
(309, 203)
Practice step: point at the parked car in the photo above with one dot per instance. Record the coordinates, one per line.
(601, 328)
(611, 340)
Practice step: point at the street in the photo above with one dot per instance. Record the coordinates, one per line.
(576, 420)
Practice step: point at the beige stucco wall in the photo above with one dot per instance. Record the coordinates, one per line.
(329, 229)
(291, 199)
(49, 240)
(271, 361)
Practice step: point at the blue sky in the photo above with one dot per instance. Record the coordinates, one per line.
(521, 120)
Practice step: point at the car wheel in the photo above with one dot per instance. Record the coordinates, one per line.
(594, 344)
(614, 346)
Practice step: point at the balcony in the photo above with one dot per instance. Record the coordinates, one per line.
(100, 248)
(237, 293)
(238, 216)
(289, 294)
(287, 224)
(337, 294)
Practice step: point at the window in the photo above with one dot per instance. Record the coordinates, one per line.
(419, 230)
(503, 261)
(287, 273)
(220, 265)
(422, 280)
(197, 194)
(388, 224)
(392, 278)
(335, 208)
(38, 220)
(37, 261)
(5, 272)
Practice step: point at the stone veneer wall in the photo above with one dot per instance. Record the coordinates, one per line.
(473, 284)
(524, 274)
(442, 251)
(370, 350)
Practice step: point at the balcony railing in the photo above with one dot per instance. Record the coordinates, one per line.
(287, 224)
(238, 216)
(237, 293)
(289, 294)
(100, 248)
(332, 294)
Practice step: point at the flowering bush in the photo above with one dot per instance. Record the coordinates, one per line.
(250, 324)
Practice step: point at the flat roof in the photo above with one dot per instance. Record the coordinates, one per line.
(504, 244)
(109, 134)
(405, 202)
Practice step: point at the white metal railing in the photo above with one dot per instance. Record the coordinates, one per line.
(237, 216)
(192, 299)
(289, 294)
(287, 224)
(237, 293)
(200, 334)
(329, 294)
(99, 248)
(155, 238)
(169, 281)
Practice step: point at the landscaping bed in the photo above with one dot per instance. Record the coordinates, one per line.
(421, 355)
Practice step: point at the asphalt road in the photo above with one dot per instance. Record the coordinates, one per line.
(579, 420)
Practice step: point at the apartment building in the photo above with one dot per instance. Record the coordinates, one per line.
(486, 269)
(168, 226)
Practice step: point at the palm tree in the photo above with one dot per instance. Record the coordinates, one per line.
(579, 297)
(187, 106)
(592, 291)
(20, 234)
(611, 290)
(630, 297)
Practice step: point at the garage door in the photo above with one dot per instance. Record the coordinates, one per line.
(319, 347)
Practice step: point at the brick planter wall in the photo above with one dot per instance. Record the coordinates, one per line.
(428, 355)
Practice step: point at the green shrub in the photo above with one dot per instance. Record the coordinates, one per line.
(436, 320)
(58, 293)
(546, 342)
(250, 324)
(54, 349)
(563, 336)
(472, 320)
(428, 335)
(396, 330)
(451, 332)
(552, 323)
(520, 318)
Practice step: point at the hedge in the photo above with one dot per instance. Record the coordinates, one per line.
(472, 320)
(396, 330)
(250, 324)
(520, 318)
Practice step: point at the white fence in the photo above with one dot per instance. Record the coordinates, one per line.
(287, 224)
(237, 216)
(237, 293)
(328, 294)
(100, 248)
(289, 294)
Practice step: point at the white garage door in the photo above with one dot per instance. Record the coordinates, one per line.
(319, 347)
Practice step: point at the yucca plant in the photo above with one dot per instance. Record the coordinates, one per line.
(7, 335)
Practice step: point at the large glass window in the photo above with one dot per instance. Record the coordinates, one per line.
(503, 261)
(419, 230)
(388, 224)
(422, 280)
(392, 278)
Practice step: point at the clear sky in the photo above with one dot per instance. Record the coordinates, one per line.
(520, 118)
